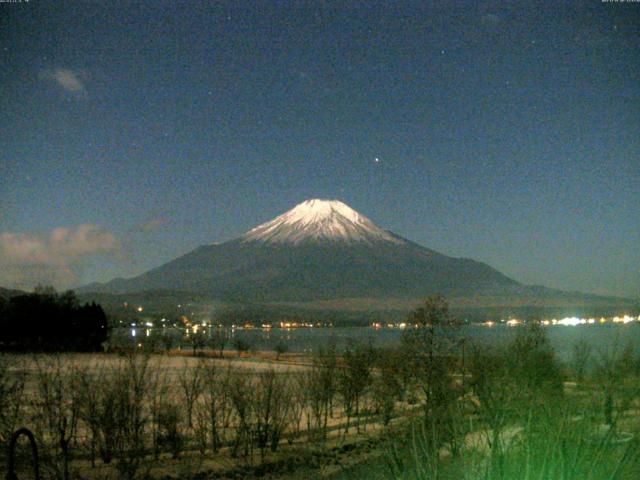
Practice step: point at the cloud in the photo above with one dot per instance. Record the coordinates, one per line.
(28, 259)
(72, 81)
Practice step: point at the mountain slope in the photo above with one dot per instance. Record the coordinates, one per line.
(270, 272)
(318, 250)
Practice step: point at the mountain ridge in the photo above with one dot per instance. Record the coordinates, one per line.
(307, 271)
(324, 251)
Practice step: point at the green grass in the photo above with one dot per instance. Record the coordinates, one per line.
(547, 446)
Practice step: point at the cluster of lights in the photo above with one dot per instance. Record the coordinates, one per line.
(625, 319)
(379, 325)
(567, 321)
(511, 322)
(296, 325)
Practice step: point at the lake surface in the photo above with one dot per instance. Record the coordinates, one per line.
(601, 337)
(607, 337)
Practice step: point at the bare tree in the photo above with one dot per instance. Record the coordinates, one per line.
(12, 385)
(198, 341)
(59, 408)
(270, 410)
(315, 402)
(240, 393)
(533, 363)
(354, 376)
(387, 386)
(320, 388)
(513, 381)
(430, 350)
(298, 402)
(493, 387)
(157, 396)
(218, 340)
(170, 435)
(241, 345)
(427, 346)
(581, 354)
(214, 410)
(90, 399)
(617, 375)
(191, 383)
(280, 348)
(130, 384)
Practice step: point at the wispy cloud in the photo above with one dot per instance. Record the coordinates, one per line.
(28, 259)
(72, 81)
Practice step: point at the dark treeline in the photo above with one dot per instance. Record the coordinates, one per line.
(49, 321)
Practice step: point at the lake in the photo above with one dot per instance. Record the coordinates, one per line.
(602, 337)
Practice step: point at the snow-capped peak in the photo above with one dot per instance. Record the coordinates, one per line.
(319, 220)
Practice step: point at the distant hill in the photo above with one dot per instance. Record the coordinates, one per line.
(8, 293)
(324, 255)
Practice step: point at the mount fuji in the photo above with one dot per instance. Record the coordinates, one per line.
(317, 221)
(325, 253)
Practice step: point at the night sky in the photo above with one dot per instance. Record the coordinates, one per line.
(508, 132)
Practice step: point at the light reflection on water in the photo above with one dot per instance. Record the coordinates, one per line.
(601, 337)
